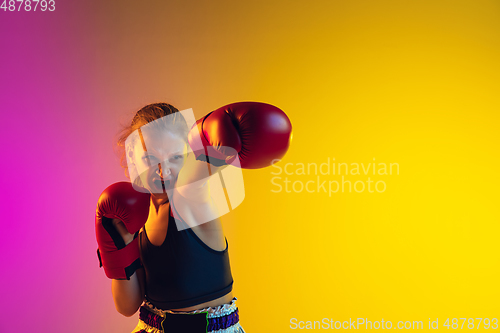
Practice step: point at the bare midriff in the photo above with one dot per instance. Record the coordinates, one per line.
(214, 303)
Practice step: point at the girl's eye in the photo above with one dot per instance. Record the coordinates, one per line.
(177, 157)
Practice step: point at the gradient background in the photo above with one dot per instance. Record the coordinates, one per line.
(408, 82)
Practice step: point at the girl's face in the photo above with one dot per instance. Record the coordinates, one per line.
(160, 163)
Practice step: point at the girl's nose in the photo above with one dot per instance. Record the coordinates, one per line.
(160, 170)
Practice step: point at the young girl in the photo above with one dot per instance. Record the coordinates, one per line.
(166, 251)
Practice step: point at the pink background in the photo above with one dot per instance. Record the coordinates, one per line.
(61, 103)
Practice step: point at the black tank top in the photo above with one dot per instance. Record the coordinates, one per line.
(183, 271)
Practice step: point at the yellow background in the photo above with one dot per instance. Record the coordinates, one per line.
(408, 82)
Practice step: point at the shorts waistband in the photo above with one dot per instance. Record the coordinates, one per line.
(203, 320)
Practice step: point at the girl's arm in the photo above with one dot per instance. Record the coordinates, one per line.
(128, 295)
(192, 182)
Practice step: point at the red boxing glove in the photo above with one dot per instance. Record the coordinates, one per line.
(257, 133)
(120, 201)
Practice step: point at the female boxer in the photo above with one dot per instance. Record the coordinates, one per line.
(164, 247)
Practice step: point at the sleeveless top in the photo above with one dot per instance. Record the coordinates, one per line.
(183, 271)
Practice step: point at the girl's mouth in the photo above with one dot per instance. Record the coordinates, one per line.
(161, 186)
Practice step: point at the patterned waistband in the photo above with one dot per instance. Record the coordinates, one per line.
(209, 319)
